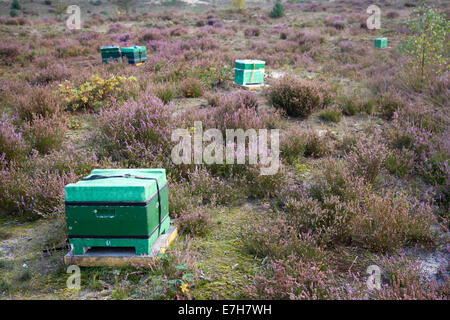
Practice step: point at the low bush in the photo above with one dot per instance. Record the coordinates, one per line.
(191, 88)
(315, 145)
(138, 133)
(367, 158)
(45, 134)
(332, 115)
(12, 144)
(299, 98)
(406, 281)
(36, 101)
(96, 93)
(292, 145)
(196, 222)
(390, 222)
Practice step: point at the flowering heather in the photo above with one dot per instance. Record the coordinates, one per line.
(386, 223)
(136, 132)
(45, 134)
(367, 158)
(292, 278)
(33, 194)
(35, 100)
(299, 98)
(195, 222)
(9, 52)
(12, 144)
(406, 281)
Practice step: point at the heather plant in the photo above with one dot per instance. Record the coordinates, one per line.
(35, 101)
(45, 134)
(389, 103)
(332, 115)
(367, 158)
(9, 53)
(196, 222)
(33, 193)
(299, 98)
(12, 144)
(53, 72)
(386, 223)
(293, 278)
(135, 132)
(96, 93)
(406, 280)
(337, 180)
(165, 92)
(191, 88)
(315, 145)
(271, 235)
(292, 145)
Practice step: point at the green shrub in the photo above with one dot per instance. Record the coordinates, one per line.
(45, 134)
(191, 88)
(13, 13)
(277, 10)
(332, 115)
(15, 5)
(299, 98)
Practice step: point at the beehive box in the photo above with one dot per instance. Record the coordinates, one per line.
(249, 72)
(110, 53)
(125, 208)
(380, 43)
(135, 54)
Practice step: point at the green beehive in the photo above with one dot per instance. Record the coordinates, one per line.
(380, 43)
(135, 54)
(110, 53)
(117, 208)
(249, 72)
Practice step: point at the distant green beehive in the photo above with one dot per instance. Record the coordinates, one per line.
(110, 53)
(380, 43)
(135, 54)
(248, 72)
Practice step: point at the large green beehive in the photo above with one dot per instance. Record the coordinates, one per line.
(135, 54)
(380, 42)
(117, 208)
(248, 72)
(110, 53)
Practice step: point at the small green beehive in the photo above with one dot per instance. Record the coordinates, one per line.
(135, 54)
(125, 208)
(249, 72)
(110, 53)
(380, 43)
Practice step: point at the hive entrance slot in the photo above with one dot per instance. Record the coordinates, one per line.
(110, 251)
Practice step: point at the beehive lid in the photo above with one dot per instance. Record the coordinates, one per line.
(123, 185)
(131, 49)
(248, 64)
(110, 48)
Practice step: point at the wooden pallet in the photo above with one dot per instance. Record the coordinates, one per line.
(250, 87)
(119, 257)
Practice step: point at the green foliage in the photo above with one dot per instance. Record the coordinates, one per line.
(427, 46)
(332, 115)
(15, 5)
(277, 11)
(13, 13)
(238, 4)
